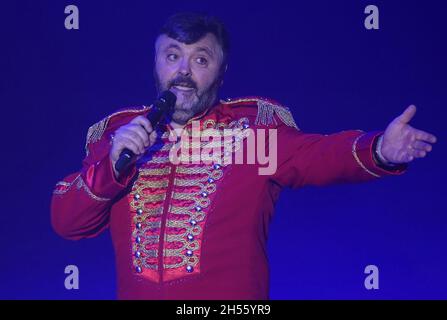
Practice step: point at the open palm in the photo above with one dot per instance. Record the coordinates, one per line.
(402, 143)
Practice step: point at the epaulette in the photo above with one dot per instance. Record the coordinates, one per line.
(267, 108)
(96, 131)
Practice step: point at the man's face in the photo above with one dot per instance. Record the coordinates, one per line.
(190, 71)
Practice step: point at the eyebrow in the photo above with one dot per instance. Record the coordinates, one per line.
(199, 49)
(172, 46)
(207, 50)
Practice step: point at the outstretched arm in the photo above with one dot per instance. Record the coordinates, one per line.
(349, 156)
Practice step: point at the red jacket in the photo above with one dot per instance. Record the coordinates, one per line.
(199, 231)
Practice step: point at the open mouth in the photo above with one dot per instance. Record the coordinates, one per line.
(183, 88)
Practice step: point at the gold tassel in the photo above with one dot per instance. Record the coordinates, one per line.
(95, 132)
(266, 111)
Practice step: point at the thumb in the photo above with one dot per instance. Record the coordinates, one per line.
(408, 114)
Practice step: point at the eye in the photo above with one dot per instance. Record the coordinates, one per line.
(202, 61)
(172, 57)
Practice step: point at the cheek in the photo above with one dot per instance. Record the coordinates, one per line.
(164, 72)
(206, 77)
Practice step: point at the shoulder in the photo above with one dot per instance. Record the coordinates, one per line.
(112, 121)
(268, 112)
(252, 101)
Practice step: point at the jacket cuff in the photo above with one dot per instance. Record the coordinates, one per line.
(101, 179)
(363, 149)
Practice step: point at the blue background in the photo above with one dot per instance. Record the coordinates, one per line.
(315, 57)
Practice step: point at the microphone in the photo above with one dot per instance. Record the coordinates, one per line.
(164, 104)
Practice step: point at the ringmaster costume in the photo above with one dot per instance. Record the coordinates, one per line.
(196, 230)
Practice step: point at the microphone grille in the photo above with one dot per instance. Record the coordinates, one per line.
(168, 98)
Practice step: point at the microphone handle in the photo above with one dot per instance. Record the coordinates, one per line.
(126, 155)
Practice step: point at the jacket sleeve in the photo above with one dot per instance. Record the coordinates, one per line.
(81, 202)
(317, 159)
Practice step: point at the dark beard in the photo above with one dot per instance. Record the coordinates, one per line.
(205, 100)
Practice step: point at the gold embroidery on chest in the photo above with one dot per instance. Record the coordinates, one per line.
(190, 197)
(147, 209)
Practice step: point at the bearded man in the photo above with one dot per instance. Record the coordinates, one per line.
(196, 230)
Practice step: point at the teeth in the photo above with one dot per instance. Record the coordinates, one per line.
(183, 88)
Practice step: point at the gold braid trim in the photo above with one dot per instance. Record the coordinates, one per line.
(80, 184)
(266, 111)
(96, 131)
(357, 159)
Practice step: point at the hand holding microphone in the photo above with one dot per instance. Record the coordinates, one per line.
(135, 136)
(131, 140)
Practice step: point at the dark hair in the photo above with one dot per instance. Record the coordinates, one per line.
(190, 27)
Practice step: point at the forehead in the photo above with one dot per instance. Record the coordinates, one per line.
(207, 43)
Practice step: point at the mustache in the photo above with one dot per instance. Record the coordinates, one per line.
(182, 81)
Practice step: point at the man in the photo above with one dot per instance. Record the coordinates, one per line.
(198, 230)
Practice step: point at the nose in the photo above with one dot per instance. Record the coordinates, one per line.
(185, 68)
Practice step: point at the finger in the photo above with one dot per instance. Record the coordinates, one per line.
(408, 114)
(138, 129)
(425, 136)
(134, 137)
(152, 137)
(123, 143)
(421, 145)
(416, 153)
(144, 122)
